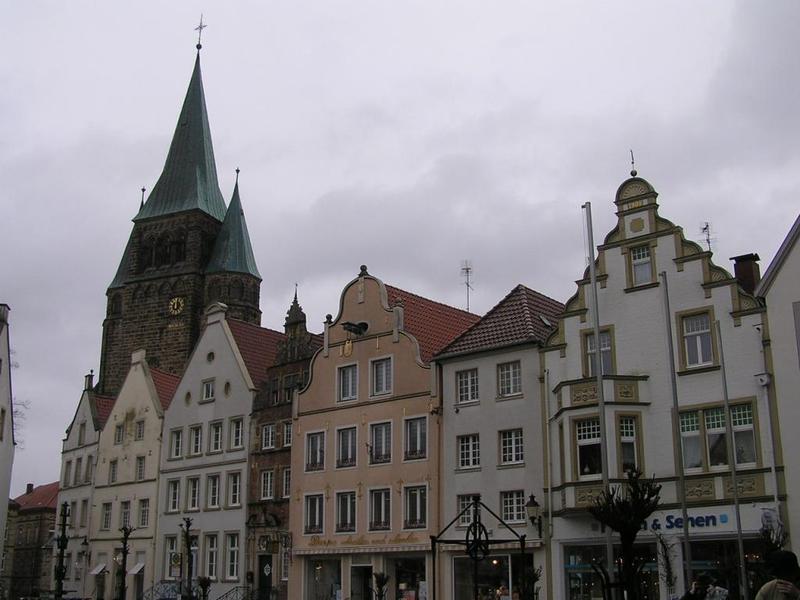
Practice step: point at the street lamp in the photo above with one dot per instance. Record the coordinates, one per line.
(534, 511)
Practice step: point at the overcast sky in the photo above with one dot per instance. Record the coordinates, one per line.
(405, 135)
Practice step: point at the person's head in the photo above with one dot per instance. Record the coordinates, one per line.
(704, 580)
(783, 565)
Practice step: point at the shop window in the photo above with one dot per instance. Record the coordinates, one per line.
(509, 379)
(315, 451)
(467, 386)
(323, 578)
(469, 451)
(589, 452)
(346, 447)
(606, 353)
(314, 514)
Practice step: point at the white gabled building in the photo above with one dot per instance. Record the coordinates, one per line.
(492, 439)
(642, 429)
(204, 456)
(78, 460)
(126, 483)
(780, 287)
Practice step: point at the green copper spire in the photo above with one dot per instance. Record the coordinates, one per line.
(189, 178)
(232, 250)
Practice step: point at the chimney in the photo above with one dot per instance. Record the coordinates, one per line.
(747, 271)
(88, 381)
(29, 489)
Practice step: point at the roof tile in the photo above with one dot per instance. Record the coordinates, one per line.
(523, 316)
(166, 384)
(433, 324)
(42, 496)
(258, 347)
(103, 406)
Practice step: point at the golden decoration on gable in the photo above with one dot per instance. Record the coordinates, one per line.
(635, 188)
(637, 225)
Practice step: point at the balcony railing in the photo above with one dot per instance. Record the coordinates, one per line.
(379, 525)
(349, 461)
(415, 524)
(376, 459)
(345, 527)
(316, 465)
(313, 529)
(415, 454)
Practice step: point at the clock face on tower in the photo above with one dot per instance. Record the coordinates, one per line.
(176, 305)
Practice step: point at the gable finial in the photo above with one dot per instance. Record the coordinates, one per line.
(295, 291)
(199, 30)
(633, 166)
(237, 175)
(141, 204)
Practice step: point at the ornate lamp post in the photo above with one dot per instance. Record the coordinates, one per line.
(534, 511)
(126, 532)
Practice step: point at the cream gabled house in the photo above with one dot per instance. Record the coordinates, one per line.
(642, 429)
(365, 457)
(78, 461)
(126, 482)
(780, 287)
(204, 456)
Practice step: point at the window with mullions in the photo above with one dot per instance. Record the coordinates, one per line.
(606, 357)
(697, 340)
(744, 442)
(380, 443)
(714, 427)
(416, 438)
(511, 447)
(463, 502)
(346, 447)
(467, 385)
(588, 440)
(345, 511)
(381, 376)
(716, 437)
(627, 443)
(348, 383)
(509, 379)
(690, 440)
(313, 514)
(469, 451)
(268, 436)
(315, 451)
(416, 507)
(641, 265)
(380, 509)
(513, 506)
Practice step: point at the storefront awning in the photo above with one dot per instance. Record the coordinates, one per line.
(99, 568)
(136, 568)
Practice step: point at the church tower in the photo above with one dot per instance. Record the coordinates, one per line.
(157, 297)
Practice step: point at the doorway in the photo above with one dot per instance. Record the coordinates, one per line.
(264, 577)
(361, 583)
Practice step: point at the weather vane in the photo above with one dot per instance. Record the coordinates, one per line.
(199, 30)
(633, 165)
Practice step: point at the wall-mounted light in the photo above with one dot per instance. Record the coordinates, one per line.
(534, 511)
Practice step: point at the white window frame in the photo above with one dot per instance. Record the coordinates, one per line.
(411, 498)
(383, 458)
(138, 429)
(351, 460)
(415, 446)
(105, 516)
(318, 462)
(236, 433)
(173, 495)
(212, 555)
(509, 379)
(287, 482)
(234, 489)
(694, 339)
(232, 556)
(467, 386)
(462, 501)
(628, 427)
(113, 471)
(216, 443)
(192, 493)
(313, 502)
(125, 513)
(287, 434)
(351, 393)
(351, 510)
(512, 446)
(141, 468)
(176, 443)
(381, 376)
(144, 513)
(743, 421)
(386, 509)
(469, 446)
(641, 256)
(196, 440)
(606, 352)
(212, 490)
(512, 506)
(119, 434)
(268, 436)
(583, 439)
(267, 484)
(209, 390)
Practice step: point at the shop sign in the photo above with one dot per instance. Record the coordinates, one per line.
(672, 521)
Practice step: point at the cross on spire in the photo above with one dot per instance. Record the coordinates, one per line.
(199, 30)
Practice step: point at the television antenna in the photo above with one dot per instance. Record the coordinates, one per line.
(705, 230)
(466, 273)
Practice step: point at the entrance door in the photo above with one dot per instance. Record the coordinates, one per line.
(264, 577)
(361, 583)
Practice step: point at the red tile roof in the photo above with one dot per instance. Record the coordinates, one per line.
(166, 384)
(523, 316)
(103, 406)
(42, 496)
(258, 347)
(433, 324)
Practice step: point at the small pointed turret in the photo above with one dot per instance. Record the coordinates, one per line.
(189, 178)
(295, 314)
(233, 252)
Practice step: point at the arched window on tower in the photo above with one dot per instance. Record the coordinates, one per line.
(178, 248)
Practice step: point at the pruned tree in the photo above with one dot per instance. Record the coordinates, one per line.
(623, 509)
